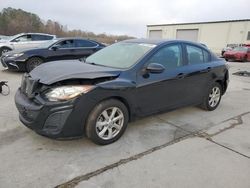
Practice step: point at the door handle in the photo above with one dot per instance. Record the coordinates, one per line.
(206, 70)
(180, 76)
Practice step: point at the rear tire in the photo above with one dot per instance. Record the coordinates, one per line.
(212, 99)
(107, 122)
(33, 63)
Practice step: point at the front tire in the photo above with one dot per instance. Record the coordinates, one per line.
(33, 63)
(4, 50)
(212, 99)
(107, 122)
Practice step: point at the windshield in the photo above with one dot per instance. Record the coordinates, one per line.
(4, 37)
(120, 55)
(241, 49)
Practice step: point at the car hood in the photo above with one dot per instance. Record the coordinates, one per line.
(52, 72)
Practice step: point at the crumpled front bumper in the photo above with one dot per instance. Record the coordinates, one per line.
(47, 120)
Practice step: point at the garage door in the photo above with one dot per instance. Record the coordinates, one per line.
(187, 34)
(155, 34)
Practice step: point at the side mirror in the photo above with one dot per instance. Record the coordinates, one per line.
(155, 68)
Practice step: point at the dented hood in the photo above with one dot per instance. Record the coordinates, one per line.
(52, 72)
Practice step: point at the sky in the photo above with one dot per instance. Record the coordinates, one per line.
(130, 17)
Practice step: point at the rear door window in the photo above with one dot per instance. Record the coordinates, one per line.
(84, 44)
(41, 37)
(197, 55)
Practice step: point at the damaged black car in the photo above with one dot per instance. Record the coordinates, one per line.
(130, 79)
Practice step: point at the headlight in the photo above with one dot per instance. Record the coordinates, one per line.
(67, 92)
(17, 55)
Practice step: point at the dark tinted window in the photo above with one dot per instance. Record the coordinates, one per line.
(41, 37)
(169, 57)
(197, 55)
(66, 44)
(248, 35)
(84, 43)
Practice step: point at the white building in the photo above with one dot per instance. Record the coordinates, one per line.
(215, 35)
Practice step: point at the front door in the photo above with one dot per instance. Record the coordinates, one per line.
(162, 91)
(64, 50)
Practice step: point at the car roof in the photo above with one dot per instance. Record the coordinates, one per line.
(76, 38)
(35, 34)
(160, 41)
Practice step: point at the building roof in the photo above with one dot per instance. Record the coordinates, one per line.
(211, 22)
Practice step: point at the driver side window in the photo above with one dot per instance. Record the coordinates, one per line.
(66, 44)
(168, 56)
(24, 38)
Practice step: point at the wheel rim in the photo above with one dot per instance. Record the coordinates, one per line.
(214, 97)
(34, 64)
(109, 123)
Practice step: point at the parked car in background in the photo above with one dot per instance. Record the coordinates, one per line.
(23, 40)
(129, 79)
(58, 49)
(238, 54)
(225, 50)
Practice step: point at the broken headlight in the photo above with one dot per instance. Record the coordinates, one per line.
(64, 93)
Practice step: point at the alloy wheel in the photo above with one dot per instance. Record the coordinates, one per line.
(109, 123)
(214, 97)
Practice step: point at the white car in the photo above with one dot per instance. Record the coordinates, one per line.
(23, 40)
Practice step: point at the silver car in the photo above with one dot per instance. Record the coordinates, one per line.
(23, 40)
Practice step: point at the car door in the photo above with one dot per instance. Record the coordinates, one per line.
(161, 91)
(84, 48)
(38, 39)
(21, 42)
(198, 73)
(62, 50)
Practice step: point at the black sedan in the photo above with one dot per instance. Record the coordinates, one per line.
(126, 80)
(59, 49)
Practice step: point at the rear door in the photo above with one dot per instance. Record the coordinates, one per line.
(84, 48)
(38, 39)
(198, 73)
